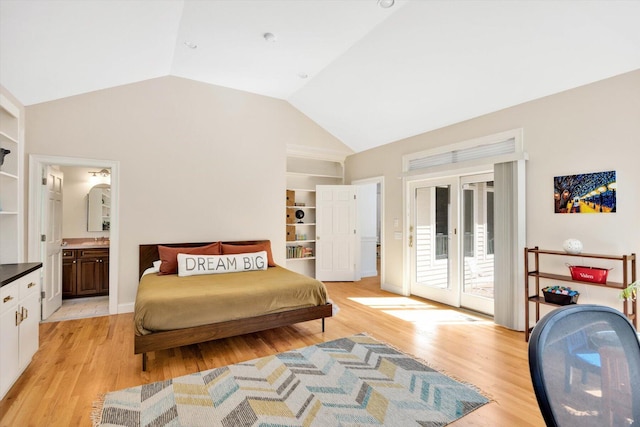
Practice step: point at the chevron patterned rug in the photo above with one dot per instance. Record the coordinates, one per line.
(355, 381)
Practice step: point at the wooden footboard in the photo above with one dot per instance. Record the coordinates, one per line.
(198, 334)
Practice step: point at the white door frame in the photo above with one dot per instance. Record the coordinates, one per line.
(378, 180)
(36, 162)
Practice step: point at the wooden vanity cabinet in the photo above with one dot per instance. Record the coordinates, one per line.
(85, 272)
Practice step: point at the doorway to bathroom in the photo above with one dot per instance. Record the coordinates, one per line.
(92, 246)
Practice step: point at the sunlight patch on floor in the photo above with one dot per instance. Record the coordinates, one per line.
(392, 302)
(418, 312)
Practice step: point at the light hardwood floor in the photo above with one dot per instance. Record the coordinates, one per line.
(81, 359)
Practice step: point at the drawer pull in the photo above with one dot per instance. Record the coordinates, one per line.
(7, 298)
(30, 285)
(24, 314)
(18, 318)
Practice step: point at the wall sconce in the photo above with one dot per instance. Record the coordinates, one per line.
(103, 172)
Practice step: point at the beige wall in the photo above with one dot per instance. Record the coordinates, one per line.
(197, 162)
(588, 129)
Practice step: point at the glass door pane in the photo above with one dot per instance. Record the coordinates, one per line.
(477, 243)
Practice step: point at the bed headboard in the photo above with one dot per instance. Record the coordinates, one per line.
(149, 252)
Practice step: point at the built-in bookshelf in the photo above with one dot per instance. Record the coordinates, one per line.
(10, 182)
(303, 175)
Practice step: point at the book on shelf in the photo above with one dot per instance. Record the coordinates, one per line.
(299, 251)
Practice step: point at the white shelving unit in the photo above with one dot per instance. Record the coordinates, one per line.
(303, 174)
(10, 182)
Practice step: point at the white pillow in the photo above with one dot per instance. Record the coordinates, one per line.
(154, 269)
(192, 265)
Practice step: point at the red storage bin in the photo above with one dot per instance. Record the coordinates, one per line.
(588, 274)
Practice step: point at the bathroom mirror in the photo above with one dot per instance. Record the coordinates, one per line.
(99, 208)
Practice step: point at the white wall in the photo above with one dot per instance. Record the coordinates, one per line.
(197, 162)
(588, 129)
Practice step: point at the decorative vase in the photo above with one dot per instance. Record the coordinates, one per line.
(3, 152)
(572, 246)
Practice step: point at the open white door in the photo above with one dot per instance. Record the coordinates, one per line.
(337, 238)
(52, 244)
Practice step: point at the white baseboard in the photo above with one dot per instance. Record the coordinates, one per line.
(392, 288)
(369, 273)
(126, 308)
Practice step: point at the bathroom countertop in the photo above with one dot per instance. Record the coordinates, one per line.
(84, 243)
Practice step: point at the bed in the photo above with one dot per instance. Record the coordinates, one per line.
(184, 316)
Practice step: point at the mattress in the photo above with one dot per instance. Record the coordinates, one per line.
(168, 302)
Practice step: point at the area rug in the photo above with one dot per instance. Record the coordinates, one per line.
(354, 381)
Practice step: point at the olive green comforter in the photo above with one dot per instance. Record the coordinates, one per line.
(167, 302)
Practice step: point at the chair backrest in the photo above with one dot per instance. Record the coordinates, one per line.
(611, 396)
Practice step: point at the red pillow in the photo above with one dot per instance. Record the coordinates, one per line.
(169, 255)
(228, 249)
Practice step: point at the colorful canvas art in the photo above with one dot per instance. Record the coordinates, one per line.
(585, 193)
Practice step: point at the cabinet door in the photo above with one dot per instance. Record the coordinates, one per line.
(29, 328)
(88, 276)
(69, 272)
(9, 356)
(104, 282)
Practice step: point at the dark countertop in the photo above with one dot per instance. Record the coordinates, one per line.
(11, 272)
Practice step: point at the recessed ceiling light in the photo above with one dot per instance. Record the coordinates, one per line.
(269, 37)
(386, 4)
(190, 45)
(303, 75)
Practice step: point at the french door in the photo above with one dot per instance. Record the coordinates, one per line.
(450, 240)
(433, 205)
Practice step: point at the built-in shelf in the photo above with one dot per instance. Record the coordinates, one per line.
(11, 186)
(7, 137)
(8, 175)
(314, 175)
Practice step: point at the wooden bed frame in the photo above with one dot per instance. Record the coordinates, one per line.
(179, 337)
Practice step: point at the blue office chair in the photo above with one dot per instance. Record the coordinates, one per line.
(595, 339)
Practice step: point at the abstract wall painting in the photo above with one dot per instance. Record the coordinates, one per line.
(585, 193)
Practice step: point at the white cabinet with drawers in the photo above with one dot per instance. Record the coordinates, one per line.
(19, 320)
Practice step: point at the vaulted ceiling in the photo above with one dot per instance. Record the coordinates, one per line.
(368, 75)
